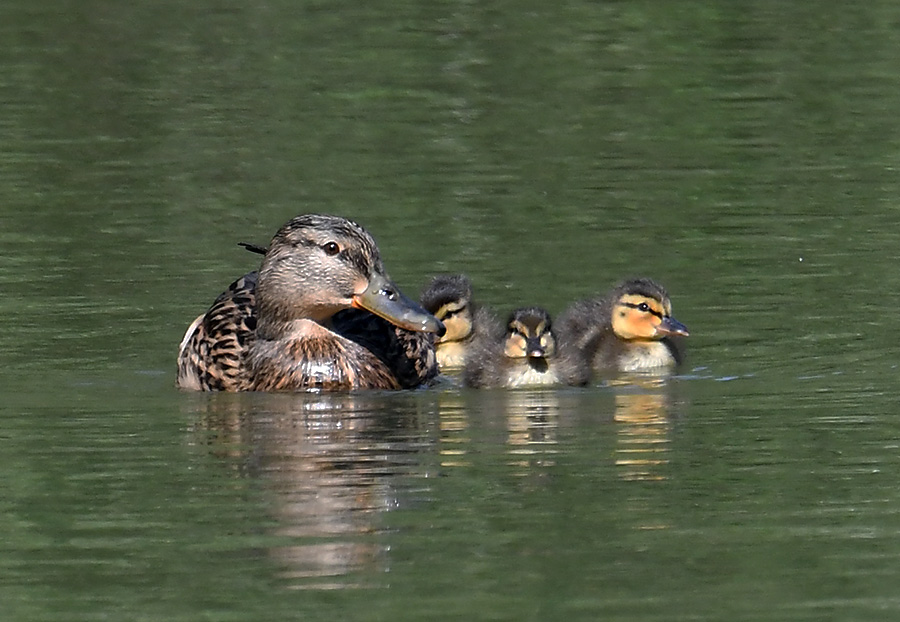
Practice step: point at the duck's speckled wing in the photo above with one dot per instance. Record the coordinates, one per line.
(211, 356)
(409, 355)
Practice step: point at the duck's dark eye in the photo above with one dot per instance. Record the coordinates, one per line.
(331, 248)
(644, 307)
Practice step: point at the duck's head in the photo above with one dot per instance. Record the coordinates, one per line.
(318, 265)
(642, 311)
(449, 298)
(528, 334)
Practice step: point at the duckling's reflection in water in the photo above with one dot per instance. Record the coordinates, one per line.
(532, 419)
(643, 406)
(526, 420)
(330, 467)
(454, 426)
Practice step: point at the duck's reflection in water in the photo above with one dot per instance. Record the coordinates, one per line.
(330, 467)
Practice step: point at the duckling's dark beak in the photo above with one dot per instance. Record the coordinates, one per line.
(670, 326)
(533, 348)
(385, 300)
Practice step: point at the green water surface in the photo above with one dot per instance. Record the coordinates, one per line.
(745, 154)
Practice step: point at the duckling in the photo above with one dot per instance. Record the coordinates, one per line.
(320, 313)
(629, 329)
(449, 298)
(526, 356)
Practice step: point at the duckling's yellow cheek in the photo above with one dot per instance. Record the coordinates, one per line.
(651, 323)
(642, 325)
(515, 347)
(633, 324)
(458, 328)
(549, 345)
(623, 324)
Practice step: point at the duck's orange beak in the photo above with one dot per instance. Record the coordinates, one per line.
(385, 300)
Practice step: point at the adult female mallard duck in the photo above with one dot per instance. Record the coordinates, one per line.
(319, 314)
(449, 298)
(629, 329)
(526, 356)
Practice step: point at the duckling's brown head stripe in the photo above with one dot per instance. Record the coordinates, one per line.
(453, 291)
(644, 287)
(529, 321)
(643, 306)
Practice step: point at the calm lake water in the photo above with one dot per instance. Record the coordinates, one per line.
(744, 154)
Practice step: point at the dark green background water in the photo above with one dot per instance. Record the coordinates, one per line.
(745, 154)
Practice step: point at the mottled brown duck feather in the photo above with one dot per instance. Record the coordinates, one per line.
(296, 337)
(211, 357)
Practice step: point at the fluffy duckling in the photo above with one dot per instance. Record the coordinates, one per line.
(319, 314)
(630, 329)
(449, 298)
(526, 356)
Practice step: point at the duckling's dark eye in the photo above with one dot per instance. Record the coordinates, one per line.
(331, 248)
(643, 307)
